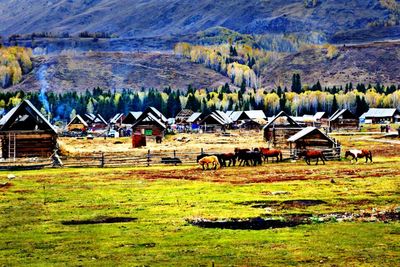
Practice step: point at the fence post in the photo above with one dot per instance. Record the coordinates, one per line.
(102, 160)
(175, 157)
(202, 151)
(148, 158)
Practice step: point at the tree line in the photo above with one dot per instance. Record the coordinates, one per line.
(298, 101)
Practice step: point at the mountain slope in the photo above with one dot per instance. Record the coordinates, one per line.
(141, 18)
(367, 63)
(81, 71)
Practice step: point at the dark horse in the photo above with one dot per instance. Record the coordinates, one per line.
(359, 154)
(271, 153)
(246, 157)
(231, 157)
(312, 154)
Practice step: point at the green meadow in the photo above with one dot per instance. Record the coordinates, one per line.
(36, 207)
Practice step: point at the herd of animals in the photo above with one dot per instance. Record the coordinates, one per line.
(247, 157)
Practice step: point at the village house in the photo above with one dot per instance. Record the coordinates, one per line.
(131, 118)
(150, 123)
(251, 119)
(215, 121)
(381, 115)
(343, 119)
(194, 121)
(77, 124)
(25, 132)
(279, 129)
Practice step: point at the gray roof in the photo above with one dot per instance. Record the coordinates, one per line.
(252, 114)
(136, 114)
(301, 134)
(337, 114)
(229, 113)
(158, 114)
(379, 112)
(116, 118)
(319, 115)
(80, 119)
(223, 116)
(255, 114)
(281, 114)
(194, 117)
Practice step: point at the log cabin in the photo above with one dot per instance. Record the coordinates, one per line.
(151, 123)
(279, 129)
(25, 132)
(343, 119)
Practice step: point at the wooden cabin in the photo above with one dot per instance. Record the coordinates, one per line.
(151, 123)
(381, 115)
(95, 122)
(77, 124)
(194, 120)
(343, 119)
(183, 116)
(321, 119)
(131, 118)
(279, 129)
(116, 121)
(216, 121)
(310, 138)
(25, 132)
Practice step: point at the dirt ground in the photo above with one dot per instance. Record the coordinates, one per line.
(215, 143)
(192, 143)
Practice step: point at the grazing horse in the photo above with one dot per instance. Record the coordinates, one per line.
(213, 160)
(221, 161)
(231, 157)
(271, 153)
(248, 158)
(312, 154)
(359, 154)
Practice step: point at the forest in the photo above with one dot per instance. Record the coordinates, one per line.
(295, 100)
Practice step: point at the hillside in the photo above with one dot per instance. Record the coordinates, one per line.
(81, 71)
(143, 18)
(369, 63)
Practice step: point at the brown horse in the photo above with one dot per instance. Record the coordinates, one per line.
(356, 154)
(271, 153)
(213, 160)
(312, 154)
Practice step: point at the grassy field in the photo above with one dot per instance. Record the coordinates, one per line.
(41, 212)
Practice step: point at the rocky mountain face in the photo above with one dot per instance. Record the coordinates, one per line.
(146, 18)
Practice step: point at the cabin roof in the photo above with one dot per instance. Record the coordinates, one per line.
(151, 114)
(282, 114)
(117, 117)
(319, 115)
(380, 112)
(11, 117)
(79, 118)
(184, 113)
(194, 117)
(304, 132)
(342, 112)
(251, 114)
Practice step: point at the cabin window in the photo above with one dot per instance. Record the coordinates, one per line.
(148, 132)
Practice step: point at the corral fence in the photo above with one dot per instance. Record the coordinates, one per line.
(151, 158)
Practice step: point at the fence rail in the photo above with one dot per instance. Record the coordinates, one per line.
(149, 159)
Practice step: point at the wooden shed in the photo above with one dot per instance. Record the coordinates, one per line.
(343, 119)
(25, 132)
(151, 123)
(315, 139)
(279, 129)
(77, 124)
